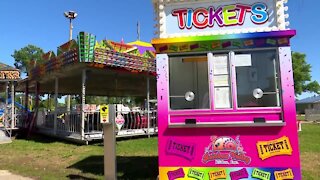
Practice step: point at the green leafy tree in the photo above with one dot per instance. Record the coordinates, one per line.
(47, 104)
(25, 55)
(302, 76)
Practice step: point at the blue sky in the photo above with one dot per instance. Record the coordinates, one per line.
(41, 22)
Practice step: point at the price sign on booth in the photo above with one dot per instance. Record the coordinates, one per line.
(104, 114)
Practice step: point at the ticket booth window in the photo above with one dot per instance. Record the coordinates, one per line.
(188, 80)
(257, 80)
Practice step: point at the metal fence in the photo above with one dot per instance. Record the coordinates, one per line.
(136, 123)
(21, 117)
(69, 123)
(312, 115)
(8, 119)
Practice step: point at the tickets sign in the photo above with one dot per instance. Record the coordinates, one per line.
(104, 114)
(282, 175)
(241, 174)
(281, 146)
(260, 174)
(182, 149)
(220, 174)
(192, 17)
(225, 15)
(196, 174)
(179, 173)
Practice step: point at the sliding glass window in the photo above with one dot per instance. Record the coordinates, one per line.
(189, 84)
(257, 80)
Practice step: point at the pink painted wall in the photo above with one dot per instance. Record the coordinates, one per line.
(199, 138)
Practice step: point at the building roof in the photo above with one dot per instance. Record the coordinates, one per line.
(6, 67)
(309, 100)
(115, 69)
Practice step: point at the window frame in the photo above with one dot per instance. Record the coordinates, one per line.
(278, 78)
(208, 75)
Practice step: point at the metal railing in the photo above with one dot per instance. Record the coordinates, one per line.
(68, 122)
(21, 118)
(92, 122)
(135, 123)
(9, 122)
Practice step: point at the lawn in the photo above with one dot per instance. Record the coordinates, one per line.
(301, 117)
(310, 151)
(45, 158)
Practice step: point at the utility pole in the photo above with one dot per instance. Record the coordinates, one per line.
(138, 30)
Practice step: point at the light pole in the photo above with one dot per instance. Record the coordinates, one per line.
(70, 15)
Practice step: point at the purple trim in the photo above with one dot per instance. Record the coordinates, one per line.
(143, 49)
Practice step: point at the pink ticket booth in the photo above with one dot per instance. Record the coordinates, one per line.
(226, 107)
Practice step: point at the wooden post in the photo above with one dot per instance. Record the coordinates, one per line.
(109, 141)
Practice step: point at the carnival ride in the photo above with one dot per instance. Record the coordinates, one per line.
(88, 67)
(8, 78)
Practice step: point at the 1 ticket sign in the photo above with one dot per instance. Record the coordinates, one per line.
(9, 75)
(218, 17)
(104, 114)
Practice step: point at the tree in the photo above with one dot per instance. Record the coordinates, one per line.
(47, 104)
(25, 55)
(301, 74)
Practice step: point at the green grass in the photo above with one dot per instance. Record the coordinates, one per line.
(309, 139)
(301, 117)
(46, 158)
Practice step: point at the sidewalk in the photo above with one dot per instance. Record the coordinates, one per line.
(3, 138)
(4, 174)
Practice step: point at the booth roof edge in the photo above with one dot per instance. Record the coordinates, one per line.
(192, 1)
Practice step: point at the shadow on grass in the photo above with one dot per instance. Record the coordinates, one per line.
(43, 138)
(78, 177)
(46, 138)
(128, 167)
